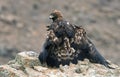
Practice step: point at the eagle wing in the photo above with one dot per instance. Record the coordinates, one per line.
(94, 55)
(86, 48)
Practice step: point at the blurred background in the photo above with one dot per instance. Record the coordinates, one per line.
(23, 24)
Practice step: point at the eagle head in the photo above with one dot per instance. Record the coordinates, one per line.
(56, 15)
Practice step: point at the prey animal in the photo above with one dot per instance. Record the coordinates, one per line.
(68, 43)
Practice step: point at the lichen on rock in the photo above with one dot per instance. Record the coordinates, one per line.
(26, 64)
(27, 59)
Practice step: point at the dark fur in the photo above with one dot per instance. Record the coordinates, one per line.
(72, 45)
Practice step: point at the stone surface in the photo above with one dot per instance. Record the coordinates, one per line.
(27, 59)
(7, 71)
(26, 64)
(23, 24)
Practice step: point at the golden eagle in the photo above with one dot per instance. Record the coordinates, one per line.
(68, 43)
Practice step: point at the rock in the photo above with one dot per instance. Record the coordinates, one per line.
(40, 68)
(26, 64)
(32, 73)
(27, 59)
(7, 71)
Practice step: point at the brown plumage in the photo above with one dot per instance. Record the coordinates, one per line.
(61, 27)
(70, 43)
(56, 15)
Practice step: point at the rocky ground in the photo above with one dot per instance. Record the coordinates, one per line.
(23, 24)
(26, 64)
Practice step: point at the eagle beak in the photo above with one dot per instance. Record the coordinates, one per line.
(51, 16)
